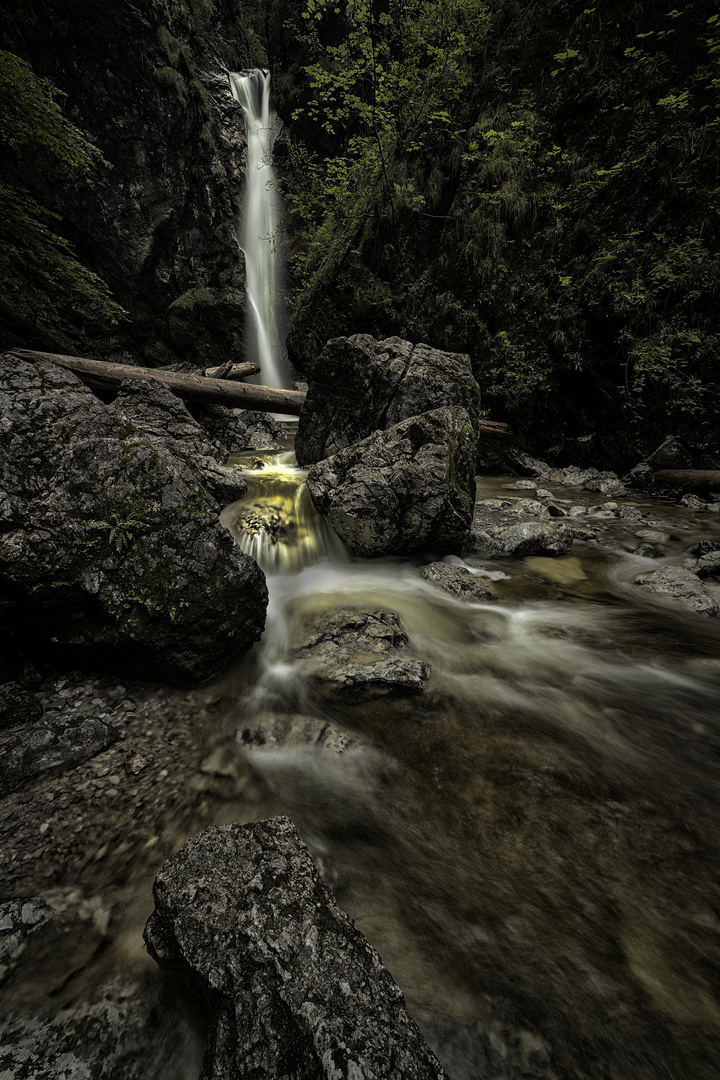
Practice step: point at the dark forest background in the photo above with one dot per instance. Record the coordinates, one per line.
(535, 184)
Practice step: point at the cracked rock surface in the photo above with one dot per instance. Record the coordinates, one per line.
(294, 989)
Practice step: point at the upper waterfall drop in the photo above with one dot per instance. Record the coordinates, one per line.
(258, 232)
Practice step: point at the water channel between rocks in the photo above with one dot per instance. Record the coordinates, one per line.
(530, 840)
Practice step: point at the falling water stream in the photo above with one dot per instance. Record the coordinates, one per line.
(531, 842)
(259, 230)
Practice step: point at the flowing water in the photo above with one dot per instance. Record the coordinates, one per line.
(259, 232)
(531, 842)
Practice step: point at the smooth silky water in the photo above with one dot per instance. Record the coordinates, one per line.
(531, 843)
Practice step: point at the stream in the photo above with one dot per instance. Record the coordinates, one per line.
(531, 842)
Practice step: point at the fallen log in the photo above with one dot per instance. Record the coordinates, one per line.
(494, 429)
(102, 375)
(687, 479)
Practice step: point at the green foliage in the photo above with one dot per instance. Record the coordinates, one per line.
(37, 266)
(540, 191)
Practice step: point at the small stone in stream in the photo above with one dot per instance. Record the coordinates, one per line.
(691, 502)
(523, 485)
(654, 536)
(294, 989)
(704, 547)
(648, 551)
(526, 538)
(360, 655)
(456, 580)
(135, 763)
(17, 706)
(681, 585)
(543, 493)
(555, 509)
(578, 510)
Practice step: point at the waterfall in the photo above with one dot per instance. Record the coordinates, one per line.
(259, 232)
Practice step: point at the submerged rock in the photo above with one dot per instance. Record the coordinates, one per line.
(456, 580)
(358, 385)
(359, 655)
(294, 989)
(681, 585)
(111, 551)
(401, 490)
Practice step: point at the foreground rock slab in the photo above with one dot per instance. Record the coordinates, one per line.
(404, 489)
(294, 989)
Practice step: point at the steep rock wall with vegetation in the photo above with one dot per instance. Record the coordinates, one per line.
(535, 184)
(144, 83)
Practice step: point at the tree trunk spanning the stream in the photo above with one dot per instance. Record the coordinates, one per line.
(98, 373)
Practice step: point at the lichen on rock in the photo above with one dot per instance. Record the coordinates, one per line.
(110, 546)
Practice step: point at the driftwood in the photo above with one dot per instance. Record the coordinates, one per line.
(494, 429)
(231, 372)
(687, 479)
(102, 375)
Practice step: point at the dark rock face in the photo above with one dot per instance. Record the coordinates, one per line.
(145, 83)
(683, 586)
(239, 430)
(457, 581)
(110, 545)
(50, 746)
(17, 706)
(359, 385)
(295, 991)
(359, 655)
(404, 489)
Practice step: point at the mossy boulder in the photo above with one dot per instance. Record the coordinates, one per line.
(358, 385)
(111, 551)
(402, 490)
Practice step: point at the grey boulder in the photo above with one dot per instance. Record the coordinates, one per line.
(294, 990)
(404, 489)
(358, 385)
(111, 551)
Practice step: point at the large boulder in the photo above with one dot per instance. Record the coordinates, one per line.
(404, 489)
(359, 385)
(110, 546)
(294, 990)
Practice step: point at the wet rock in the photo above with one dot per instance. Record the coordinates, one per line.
(681, 585)
(50, 746)
(393, 379)
(401, 490)
(294, 989)
(524, 485)
(359, 655)
(275, 730)
(17, 706)
(608, 483)
(708, 565)
(526, 538)
(704, 547)
(490, 510)
(237, 430)
(111, 548)
(692, 502)
(456, 580)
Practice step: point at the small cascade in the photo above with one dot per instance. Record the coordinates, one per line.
(258, 232)
(276, 522)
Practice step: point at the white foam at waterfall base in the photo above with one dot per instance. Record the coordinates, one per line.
(259, 234)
